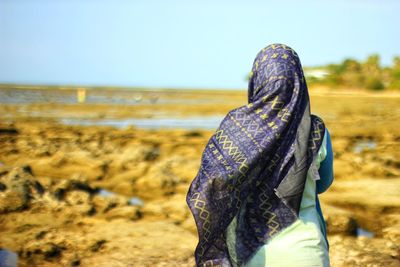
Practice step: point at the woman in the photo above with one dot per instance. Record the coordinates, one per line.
(254, 198)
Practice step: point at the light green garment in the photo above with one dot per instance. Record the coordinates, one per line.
(300, 245)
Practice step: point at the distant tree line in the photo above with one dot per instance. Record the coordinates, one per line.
(354, 74)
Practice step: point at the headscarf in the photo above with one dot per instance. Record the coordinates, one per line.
(255, 164)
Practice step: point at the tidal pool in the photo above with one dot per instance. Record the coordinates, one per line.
(363, 232)
(134, 201)
(364, 145)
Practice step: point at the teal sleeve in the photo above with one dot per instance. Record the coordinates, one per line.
(326, 168)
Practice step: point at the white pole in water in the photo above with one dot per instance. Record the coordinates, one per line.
(81, 95)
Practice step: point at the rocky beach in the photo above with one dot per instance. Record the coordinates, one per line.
(103, 182)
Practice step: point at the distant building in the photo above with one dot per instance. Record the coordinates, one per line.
(317, 73)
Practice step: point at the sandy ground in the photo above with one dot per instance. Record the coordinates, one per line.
(103, 196)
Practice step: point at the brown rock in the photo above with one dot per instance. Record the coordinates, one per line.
(127, 212)
(19, 187)
(42, 251)
(173, 208)
(106, 203)
(64, 165)
(339, 221)
(165, 178)
(393, 231)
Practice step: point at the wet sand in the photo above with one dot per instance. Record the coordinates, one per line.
(93, 195)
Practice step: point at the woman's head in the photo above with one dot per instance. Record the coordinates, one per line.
(276, 68)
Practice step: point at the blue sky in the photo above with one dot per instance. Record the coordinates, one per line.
(201, 44)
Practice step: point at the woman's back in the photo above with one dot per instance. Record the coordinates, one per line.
(304, 242)
(255, 166)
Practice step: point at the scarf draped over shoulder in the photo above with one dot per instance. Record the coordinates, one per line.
(256, 161)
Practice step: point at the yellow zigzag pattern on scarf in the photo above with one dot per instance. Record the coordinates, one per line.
(204, 215)
(246, 132)
(316, 136)
(234, 152)
(265, 206)
(238, 157)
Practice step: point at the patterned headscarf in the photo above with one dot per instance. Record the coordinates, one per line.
(255, 165)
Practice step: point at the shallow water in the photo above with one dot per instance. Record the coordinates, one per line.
(364, 232)
(105, 193)
(92, 96)
(190, 123)
(134, 201)
(364, 145)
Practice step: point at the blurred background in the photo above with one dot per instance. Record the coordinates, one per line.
(106, 106)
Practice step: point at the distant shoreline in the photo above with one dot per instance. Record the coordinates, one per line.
(121, 88)
(315, 90)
